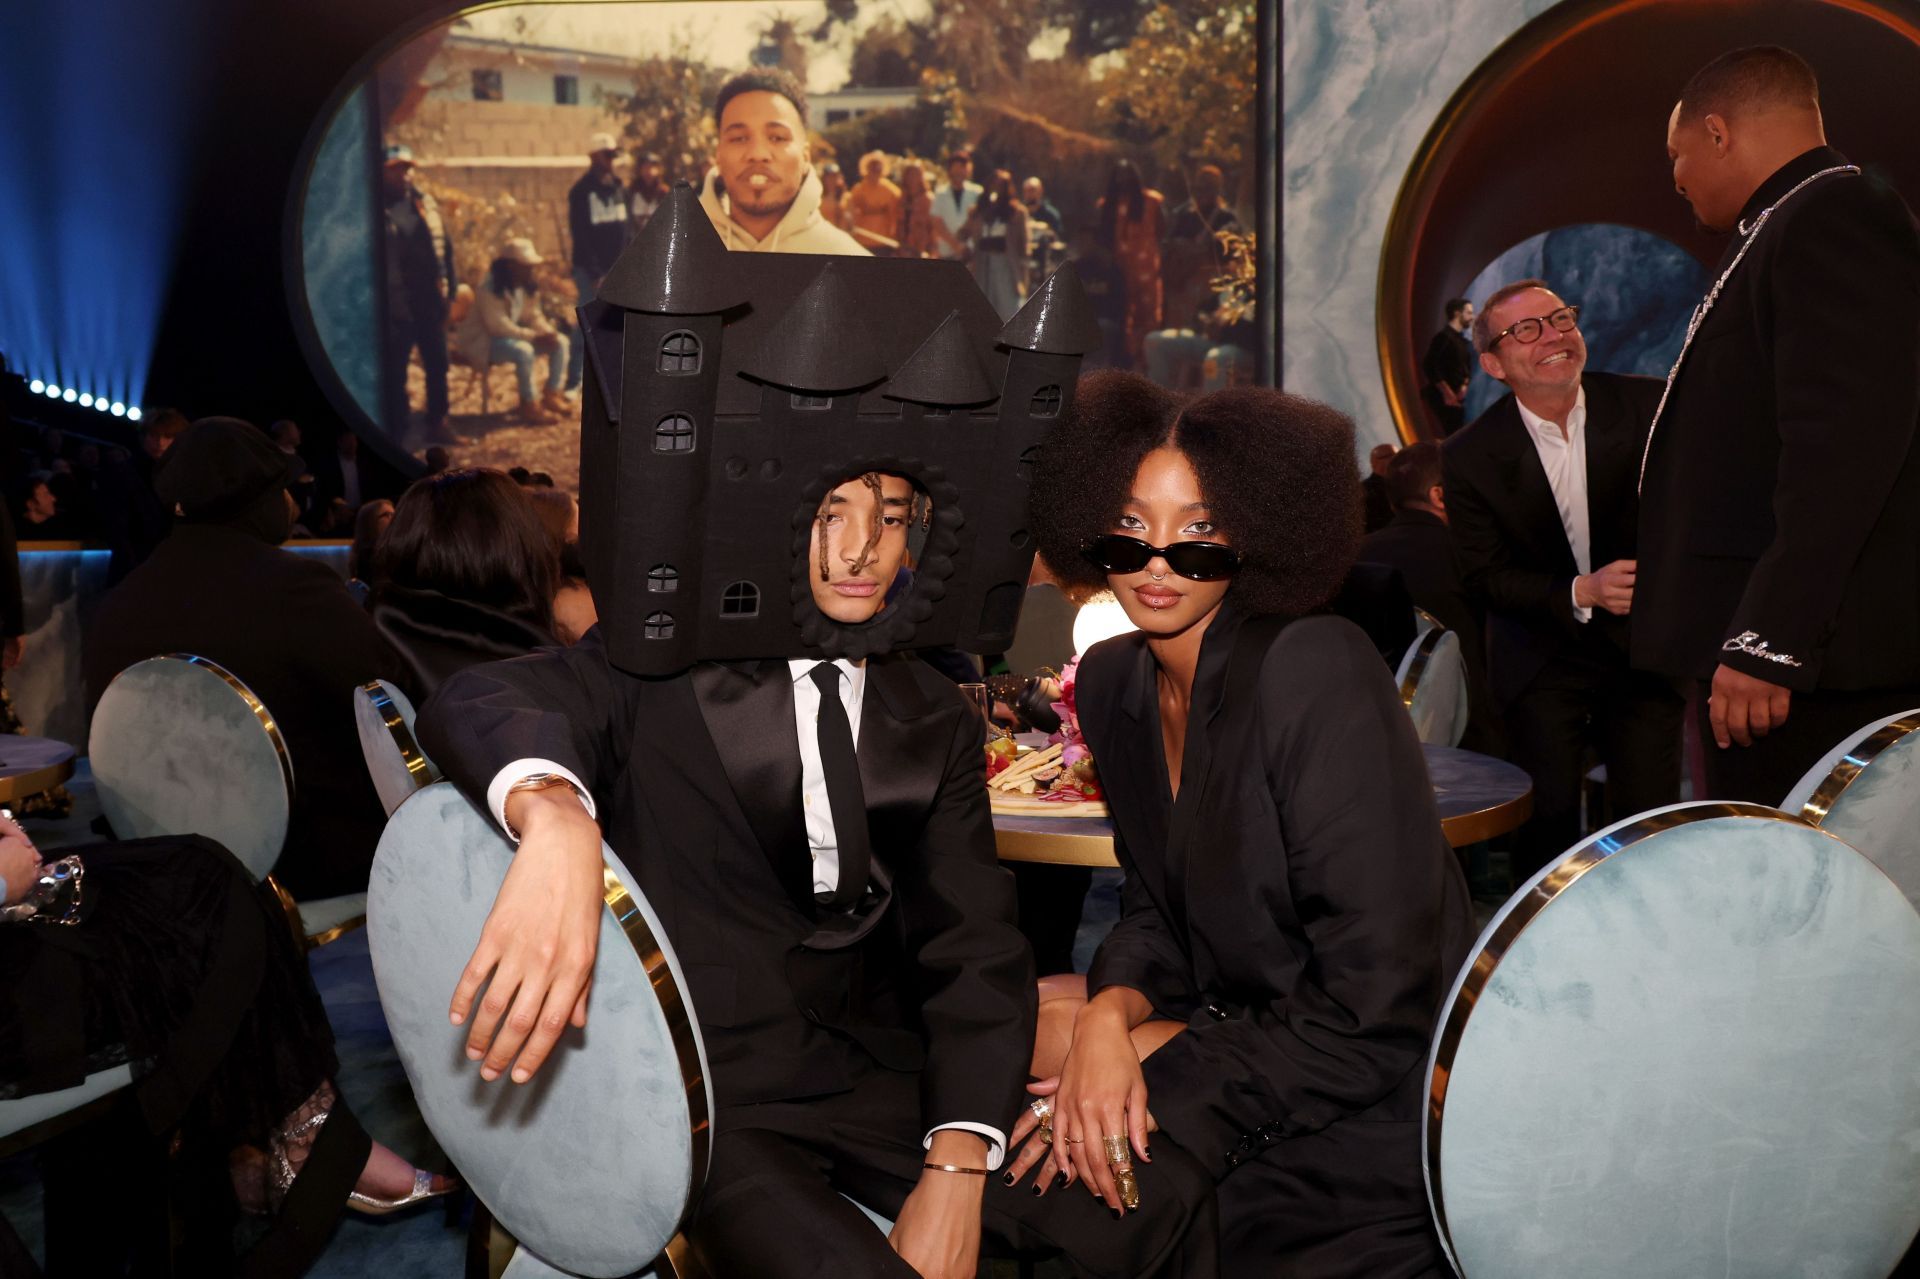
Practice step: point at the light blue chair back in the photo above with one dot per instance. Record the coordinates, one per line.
(180, 746)
(1867, 791)
(384, 718)
(1685, 1047)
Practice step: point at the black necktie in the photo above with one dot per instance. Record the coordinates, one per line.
(845, 799)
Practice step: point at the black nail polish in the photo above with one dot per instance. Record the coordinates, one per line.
(1116, 1214)
(1008, 1178)
(1059, 1179)
(1036, 1192)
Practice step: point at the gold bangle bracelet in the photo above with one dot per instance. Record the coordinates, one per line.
(972, 1172)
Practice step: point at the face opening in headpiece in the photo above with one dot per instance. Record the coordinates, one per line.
(866, 533)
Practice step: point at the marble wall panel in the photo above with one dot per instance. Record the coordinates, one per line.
(1362, 82)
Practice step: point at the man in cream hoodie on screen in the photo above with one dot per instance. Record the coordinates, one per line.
(763, 193)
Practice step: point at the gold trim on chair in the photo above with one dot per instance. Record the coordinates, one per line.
(1522, 912)
(418, 769)
(254, 704)
(673, 1007)
(1423, 653)
(1851, 765)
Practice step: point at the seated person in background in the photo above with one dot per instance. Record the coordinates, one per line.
(162, 954)
(369, 526)
(1415, 541)
(507, 326)
(1273, 1015)
(865, 1001)
(1376, 509)
(465, 574)
(40, 516)
(285, 625)
(574, 613)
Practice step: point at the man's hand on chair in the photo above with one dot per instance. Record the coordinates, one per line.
(938, 1230)
(539, 940)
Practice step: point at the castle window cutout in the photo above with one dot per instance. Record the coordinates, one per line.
(1046, 402)
(811, 401)
(674, 434)
(740, 599)
(680, 353)
(663, 578)
(1029, 460)
(659, 626)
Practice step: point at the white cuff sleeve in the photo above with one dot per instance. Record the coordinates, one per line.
(996, 1141)
(1573, 595)
(520, 770)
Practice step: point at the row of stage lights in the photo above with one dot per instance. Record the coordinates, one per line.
(85, 399)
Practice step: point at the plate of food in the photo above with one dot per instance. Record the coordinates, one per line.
(1056, 780)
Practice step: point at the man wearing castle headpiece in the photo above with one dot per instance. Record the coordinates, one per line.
(763, 439)
(763, 193)
(1780, 489)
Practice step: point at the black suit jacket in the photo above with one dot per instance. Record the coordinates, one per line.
(1511, 548)
(13, 613)
(1780, 508)
(287, 628)
(1298, 906)
(697, 782)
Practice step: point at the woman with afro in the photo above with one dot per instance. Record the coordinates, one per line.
(1291, 913)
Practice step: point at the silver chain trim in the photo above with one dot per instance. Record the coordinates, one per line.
(1713, 295)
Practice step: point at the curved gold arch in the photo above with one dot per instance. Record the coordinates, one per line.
(1604, 74)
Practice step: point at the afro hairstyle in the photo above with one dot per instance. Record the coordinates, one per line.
(1277, 471)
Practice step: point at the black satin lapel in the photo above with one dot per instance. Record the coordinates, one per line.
(1196, 763)
(749, 715)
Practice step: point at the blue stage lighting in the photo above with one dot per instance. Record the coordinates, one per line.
(86, 400)
(70, 395)
(117, 409)
(53, 392)
(101, 99)
(133, 415)
(36, 386)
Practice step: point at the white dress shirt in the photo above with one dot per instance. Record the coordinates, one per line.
(1564, 458)
(822, 842)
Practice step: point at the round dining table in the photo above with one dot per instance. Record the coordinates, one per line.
(29, 765)
(1477, 795)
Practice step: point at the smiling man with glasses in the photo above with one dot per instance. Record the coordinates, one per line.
(1542, 509)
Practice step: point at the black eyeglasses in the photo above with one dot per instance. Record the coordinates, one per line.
(1199, 561)
(1529, 330)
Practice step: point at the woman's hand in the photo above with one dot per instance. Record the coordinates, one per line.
(1102, 1093)
(19, 860)
(1035, 1153)
(539, 940)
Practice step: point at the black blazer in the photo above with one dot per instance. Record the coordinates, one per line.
(697, 782)
(1510, 546)
(286, 626)
(1780, 510)
(1298, 906)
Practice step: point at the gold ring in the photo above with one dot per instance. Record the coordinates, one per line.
(1077, 1140)
(1042, 1108)
(1045, 1133)
(1116, 1149)
(1128, 1186)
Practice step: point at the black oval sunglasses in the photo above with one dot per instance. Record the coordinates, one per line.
(1197, 561)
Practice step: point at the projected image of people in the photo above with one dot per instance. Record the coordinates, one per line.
(915, 129)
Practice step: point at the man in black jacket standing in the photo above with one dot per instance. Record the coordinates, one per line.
(1540, 501)
(1780, 491)
(1448, 367)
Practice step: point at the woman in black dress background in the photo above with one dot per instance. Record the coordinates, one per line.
(164, 954)
(1291, 913)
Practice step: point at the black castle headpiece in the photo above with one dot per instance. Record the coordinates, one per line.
(730, 392)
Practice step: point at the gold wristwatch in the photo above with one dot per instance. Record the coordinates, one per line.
(532, 782)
